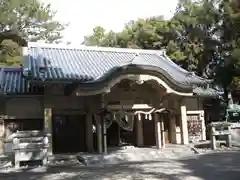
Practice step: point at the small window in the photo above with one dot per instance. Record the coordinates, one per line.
(15, 125)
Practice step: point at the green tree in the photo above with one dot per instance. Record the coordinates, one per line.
(96, 38)
(197, 32)
(22, 21)
(228, 72)
(181, 41)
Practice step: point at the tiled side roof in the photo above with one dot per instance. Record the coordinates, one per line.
(208, 93)
(89, 64)
(13, 82)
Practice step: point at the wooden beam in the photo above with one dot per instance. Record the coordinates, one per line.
(134, 106)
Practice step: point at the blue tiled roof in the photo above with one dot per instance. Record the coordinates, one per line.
(88, 64)
(13, 82)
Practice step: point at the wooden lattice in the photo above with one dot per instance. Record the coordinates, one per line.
(194, 126)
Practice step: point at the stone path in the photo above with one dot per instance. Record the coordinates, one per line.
(139, 155)
(220, 166)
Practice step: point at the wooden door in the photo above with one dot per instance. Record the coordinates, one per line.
(69, 134)
(113, 133)
(149, 138)
(195, 127)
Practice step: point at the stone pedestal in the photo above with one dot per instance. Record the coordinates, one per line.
(219, 129)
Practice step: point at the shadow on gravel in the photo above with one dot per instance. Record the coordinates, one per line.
(220, 166)
(132, 171)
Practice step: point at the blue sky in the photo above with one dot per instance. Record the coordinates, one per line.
(84, 15)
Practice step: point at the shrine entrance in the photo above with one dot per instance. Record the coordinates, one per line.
(69, 134)
(137, 113)
(142, 133)
(132, 112)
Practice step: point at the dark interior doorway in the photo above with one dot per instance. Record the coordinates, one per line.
(69, 134)
(117, 136)
(113, 135)
(130, 137)
(149, 138)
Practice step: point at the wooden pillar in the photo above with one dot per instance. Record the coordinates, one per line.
(99, 133)
(184, 128)
(89, 133)
(118, 135)
(158, 133)
(104, 136)
(213, 138)
(203, 126)
(172, 128)
(162, 131)
(2, 132)
(48, 127)
(139, 128)
(103, 125)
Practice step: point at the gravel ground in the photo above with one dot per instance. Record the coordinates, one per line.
(223, 165)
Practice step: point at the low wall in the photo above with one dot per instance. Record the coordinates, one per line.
(235, 133)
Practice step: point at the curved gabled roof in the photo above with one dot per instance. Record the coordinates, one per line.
(94, 64)
(12, 82)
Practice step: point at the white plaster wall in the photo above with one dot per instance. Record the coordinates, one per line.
(135, 94)
(72, 104)
(64, 102)
(24, 108)
(54, 98)
(32, 108)
(193, 104)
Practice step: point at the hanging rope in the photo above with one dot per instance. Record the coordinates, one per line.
(143, 112)
(108, 122)
(125, 122)
(126, 119)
